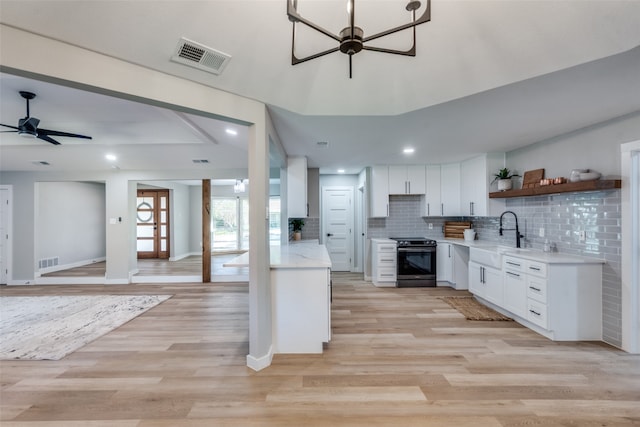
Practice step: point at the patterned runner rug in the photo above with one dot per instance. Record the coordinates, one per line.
(50, 327)
(470, 308)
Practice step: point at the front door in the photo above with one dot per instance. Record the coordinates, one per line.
(152, 224)
(337, 226)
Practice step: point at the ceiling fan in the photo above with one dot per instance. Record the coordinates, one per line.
(28, 127)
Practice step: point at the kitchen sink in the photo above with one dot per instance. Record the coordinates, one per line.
(491, 255)
(487, 255)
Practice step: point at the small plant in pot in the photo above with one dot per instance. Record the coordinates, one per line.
(297, 225)
(503, 177)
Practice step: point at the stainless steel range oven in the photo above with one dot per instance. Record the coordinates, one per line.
(416, 262)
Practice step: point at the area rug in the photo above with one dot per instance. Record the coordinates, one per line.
(50, 327)
(470, 308)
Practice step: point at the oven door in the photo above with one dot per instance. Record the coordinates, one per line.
(416, 266)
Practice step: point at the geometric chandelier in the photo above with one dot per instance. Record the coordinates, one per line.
(351, 39)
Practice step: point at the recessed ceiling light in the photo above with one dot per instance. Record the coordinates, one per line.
(232, 132)
(340, 170)
(111, 157)
(409, 150)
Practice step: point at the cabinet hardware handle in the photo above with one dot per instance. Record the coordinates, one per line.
(534, 312)
(534, 288)
(513, 274)
(471, 208)
(409, 184)
(442, 209)
(387, 259)
(513, 263)
(534, 268)
(428, 210)
(329, 234)
(449, 247)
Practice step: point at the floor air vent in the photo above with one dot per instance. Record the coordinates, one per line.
(200, 56)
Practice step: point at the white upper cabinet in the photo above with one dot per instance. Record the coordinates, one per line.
(433, 201)
(297, 206)
(378, 184)
(476, 175)
(407, 179)
(450, 189)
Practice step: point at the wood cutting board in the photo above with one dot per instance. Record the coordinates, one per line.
(455, 229)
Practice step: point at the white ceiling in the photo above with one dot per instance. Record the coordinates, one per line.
(489, 75)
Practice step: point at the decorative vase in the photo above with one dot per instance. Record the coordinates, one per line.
(504, 184)
(297, 235)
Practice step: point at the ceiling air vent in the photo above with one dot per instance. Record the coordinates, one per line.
(200, 56)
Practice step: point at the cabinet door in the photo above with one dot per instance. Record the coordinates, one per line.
(515, 293)
(444, 263)
(297, 206)
(460, 267)
(493, 281)
(416, 179)
(398, 183)
(476, 283)
(432, 198)
(472, 188)
(450, 189)
(379, 192)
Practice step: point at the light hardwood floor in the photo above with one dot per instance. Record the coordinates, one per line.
(189, 266)
(399, 357)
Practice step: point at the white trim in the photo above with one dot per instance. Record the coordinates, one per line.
(630, 265)
(259, 363)
(9, 247)
(61, 267)
(183, 256)
(167, 279)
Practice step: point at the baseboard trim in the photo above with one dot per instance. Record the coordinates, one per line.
(76, 264)
(259, 363)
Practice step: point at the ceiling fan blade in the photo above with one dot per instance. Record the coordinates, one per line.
(9, 126)
(58, 133)
(46, 138)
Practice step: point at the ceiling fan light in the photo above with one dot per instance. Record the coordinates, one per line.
(27, 134)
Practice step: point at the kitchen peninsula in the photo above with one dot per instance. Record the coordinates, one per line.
(300, 295)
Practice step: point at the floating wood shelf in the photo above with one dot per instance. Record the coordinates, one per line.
(569, 187)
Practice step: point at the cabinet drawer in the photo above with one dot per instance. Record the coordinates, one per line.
(386, 258)
(386, 274)
(537, 289)
(513, 264)
(387, 247)
(537, 313)
(536, 268)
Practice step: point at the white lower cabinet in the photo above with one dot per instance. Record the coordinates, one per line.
(452, 265)
(485, 282)
(515, 287)
(384, 262)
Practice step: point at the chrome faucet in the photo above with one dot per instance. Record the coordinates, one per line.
(518, 235)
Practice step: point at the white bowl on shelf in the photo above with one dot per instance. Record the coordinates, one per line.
(589, 176)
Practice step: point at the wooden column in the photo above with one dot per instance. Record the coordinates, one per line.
(206, 231)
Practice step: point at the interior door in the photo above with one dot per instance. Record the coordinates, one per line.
(337, 225)
(4, 235)
(152, 224)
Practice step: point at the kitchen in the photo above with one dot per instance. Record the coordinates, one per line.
(584, 224)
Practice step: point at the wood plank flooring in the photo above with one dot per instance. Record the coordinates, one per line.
(189, 266)
(399, 357)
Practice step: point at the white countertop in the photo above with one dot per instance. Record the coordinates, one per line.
(530, 254)
(301, 254)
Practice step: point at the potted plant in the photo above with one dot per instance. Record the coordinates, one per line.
(297, 225)
(503, 177)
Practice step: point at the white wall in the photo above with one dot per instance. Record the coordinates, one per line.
(69, 223)
(596, 147)
(195, 219)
